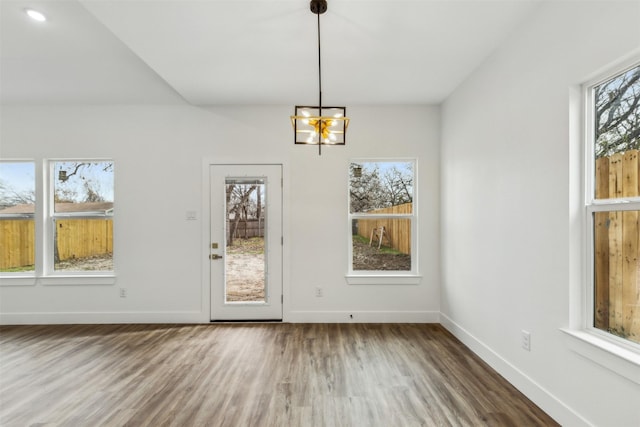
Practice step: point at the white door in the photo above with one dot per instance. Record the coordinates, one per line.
(246, 242)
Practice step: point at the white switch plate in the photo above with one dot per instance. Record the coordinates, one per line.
(526, 340)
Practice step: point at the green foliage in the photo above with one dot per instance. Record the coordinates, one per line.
(21, 269)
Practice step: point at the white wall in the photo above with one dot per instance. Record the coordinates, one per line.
(159, 153)
(506, 214)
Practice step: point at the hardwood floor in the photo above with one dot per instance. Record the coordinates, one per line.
(251, 375)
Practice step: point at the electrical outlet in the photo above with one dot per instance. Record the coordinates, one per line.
(319, 292)
(123, 292)
(526, 340)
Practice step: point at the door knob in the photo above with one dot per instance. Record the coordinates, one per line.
(215, 256)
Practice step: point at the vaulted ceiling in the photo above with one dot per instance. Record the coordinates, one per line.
(216, 52)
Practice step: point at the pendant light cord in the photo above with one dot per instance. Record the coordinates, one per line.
(319, 91)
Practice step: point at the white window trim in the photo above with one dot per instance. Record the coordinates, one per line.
(613, 353)
(377, 277)
(44, 273)
(50, 276)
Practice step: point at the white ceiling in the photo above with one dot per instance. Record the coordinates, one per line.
(96, 52)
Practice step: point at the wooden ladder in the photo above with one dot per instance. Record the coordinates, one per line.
(379, 234)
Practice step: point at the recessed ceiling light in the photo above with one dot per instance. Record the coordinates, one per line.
(35, 15)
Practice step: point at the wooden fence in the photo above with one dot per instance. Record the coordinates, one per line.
(81, 238)
(617, 243)
(17, 239)
(247, 228)
(398, 229)
(76, 238)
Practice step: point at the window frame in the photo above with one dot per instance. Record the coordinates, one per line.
(589, 333)
(52, 216)
(384, 277)
(44, 217)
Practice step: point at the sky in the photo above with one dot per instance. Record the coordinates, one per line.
(383, 165)
(19, 177)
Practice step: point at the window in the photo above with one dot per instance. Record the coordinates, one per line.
(81, 213)
(382, 217)
(59, 223)
(613, 204)
(17, 209)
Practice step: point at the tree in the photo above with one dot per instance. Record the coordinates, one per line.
(11, 197)
(375, 188)
(259, 202)
(617, 114)
(238, 202)
(398, 186)
(79, 182)
(365, 189)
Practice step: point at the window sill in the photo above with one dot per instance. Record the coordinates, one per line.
(73, 280)
(17, 280)
(620, 360)
(379, 279)
(103, 279)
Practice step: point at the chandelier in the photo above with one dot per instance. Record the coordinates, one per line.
(318, 125)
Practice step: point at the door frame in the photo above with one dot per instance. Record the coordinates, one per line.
(205, 232)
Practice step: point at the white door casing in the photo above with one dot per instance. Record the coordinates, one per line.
(270, 306)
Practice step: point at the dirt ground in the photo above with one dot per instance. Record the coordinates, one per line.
(245, 270)
(366, 257)
(93, 263)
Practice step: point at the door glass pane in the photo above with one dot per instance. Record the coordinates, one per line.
(381, 244)
(17, 208)
(245, 272)
(617, 273)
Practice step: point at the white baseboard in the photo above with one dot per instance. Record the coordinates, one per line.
(534, 391)
(99, 318)
(198, 317)
(362, 317)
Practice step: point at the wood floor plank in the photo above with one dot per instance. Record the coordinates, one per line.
(251, 375)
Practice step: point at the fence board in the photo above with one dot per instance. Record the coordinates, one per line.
(617, 246)
(601, 270)
(629, 288)
(399, 229)
(615, 175)
(615, 269)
